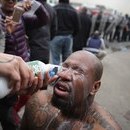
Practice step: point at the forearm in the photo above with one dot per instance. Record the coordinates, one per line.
(5, 58)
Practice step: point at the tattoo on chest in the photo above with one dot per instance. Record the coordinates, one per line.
(48, 117)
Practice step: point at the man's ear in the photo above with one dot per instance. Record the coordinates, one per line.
(95, 87)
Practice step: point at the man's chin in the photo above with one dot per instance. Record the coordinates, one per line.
(60, 103)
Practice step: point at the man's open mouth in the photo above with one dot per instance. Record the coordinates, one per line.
(61, 90)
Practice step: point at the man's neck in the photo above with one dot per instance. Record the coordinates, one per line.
(77, 114)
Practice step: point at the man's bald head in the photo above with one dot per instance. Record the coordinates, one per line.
(89, 58)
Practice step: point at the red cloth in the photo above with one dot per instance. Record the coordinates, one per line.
(21, 102)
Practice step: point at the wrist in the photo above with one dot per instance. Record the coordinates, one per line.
(6, 58)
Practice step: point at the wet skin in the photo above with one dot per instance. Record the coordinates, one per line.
(76, 81)
(71, 106)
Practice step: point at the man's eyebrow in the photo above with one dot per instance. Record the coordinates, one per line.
(82, 67)
(63, 64)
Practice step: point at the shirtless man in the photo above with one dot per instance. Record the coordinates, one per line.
(71, 106)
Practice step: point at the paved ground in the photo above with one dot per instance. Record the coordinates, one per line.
(114, 92)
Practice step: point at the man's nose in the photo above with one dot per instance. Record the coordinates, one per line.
(66, 73)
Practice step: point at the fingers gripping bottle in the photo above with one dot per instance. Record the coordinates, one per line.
(36, 66)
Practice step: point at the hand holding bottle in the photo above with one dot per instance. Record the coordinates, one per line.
(22, 78)
(17, 76)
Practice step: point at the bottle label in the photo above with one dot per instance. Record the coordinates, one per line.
(53, 69)
(36, 66)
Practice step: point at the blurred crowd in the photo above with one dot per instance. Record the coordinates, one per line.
(113, 26)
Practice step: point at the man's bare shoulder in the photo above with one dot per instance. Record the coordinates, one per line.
(34, 114)
(38, 99)
(104, 118)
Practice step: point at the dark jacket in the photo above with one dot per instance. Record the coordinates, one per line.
(68, 19)
(16, 42)
(83, 35)
(39, 38)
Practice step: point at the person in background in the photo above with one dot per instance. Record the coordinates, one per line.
(68, 28)
(96, 45)
(125, 28)
(16, 44)
(39, 38)
(81, 38)
(71, 105)
(117, 32)
(98, 21)
(15, 35)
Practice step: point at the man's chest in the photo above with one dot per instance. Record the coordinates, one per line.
(51, 118)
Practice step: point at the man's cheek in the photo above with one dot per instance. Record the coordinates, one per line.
(78, 91)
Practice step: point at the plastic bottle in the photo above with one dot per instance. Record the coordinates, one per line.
(36, 66)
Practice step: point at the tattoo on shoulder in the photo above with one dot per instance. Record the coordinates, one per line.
(103, 122)
(40, 114)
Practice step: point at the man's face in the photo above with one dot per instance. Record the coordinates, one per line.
(8, 5)
(76, 80)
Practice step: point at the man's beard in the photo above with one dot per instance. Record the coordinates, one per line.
(69, 106)
(64, 105)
